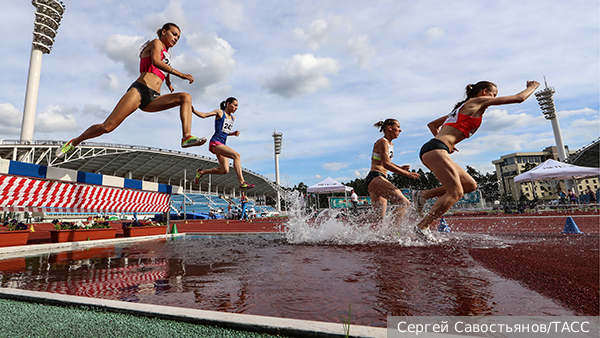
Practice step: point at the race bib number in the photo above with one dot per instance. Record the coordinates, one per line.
(452, 117)
(227, 126)
(166, 57)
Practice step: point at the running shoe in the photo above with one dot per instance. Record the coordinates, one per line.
(198, 176)
(246, 186)
(425, 235)
(418, 201)
(65, 148)
(192, 141)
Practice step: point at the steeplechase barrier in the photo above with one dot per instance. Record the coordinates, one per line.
(26, 187)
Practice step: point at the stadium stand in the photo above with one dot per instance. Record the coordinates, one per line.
(587, 156)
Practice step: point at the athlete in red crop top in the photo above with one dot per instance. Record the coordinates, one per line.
(449, 130)
(144, 93)
(465, 123)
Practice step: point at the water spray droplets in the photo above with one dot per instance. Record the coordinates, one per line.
(332, 227)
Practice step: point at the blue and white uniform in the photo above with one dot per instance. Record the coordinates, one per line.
(223, 127)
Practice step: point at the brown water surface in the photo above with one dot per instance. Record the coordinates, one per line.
(266, 275)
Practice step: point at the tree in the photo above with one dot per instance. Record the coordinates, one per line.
(301, 187)
(359, 186)
(427, 180)
(486, 183)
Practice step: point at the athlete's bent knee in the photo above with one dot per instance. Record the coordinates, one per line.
(455, 195)
(184, 97)
(470, 187)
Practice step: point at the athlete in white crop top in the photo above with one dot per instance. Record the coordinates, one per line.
(380, 189)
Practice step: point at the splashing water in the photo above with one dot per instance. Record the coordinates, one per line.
(333, 227)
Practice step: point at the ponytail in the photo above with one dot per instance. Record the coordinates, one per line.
(226, 102)
(473, 90)
(383, 124)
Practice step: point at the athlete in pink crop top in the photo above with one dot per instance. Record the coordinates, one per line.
(144, 93)
(449, 130)
(146, 62)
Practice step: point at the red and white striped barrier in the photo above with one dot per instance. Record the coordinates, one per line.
(26, 194)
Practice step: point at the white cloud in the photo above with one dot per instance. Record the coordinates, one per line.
(174, 12)
(56, 119)
(302, 75)
(360, 46)
(317, 33)
(332, 166)
(95, 110)
(582, 129)
(10, 120)
(361, 173)
(123, 49)
(336, 31)
(111, 82)
(494, 142)
(233, 14)
(434, 33)
(215, 65)
(584, 111)
(495, 120)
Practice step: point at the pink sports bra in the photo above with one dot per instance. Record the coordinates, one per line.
(146, 63)
(468, 125)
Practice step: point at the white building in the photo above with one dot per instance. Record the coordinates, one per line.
(509, 166)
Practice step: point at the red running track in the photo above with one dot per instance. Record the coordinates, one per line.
(563, 267)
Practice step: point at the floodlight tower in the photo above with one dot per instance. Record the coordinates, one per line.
(48, 14)
(546, 102)
(277, 137)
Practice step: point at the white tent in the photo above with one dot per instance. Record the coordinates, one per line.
(328, 185)
(554, 170)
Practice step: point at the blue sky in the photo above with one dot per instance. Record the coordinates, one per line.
(321, 72)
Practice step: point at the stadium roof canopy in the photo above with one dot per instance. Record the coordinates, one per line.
(139, 163)
(587, 156)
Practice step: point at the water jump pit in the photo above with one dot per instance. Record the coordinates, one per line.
(486, 266)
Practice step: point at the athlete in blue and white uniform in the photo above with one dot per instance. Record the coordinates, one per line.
(218, 143)
(380, 189)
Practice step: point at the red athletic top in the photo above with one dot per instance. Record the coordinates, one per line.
(465, 123)
(146, 63)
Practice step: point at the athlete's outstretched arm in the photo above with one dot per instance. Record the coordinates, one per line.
(216, 112)
(517, 98)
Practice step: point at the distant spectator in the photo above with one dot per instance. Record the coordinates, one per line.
(592, 195)
(562, 198)
(244, 201)
(571, 196)
(229, 212)
(354, 199)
